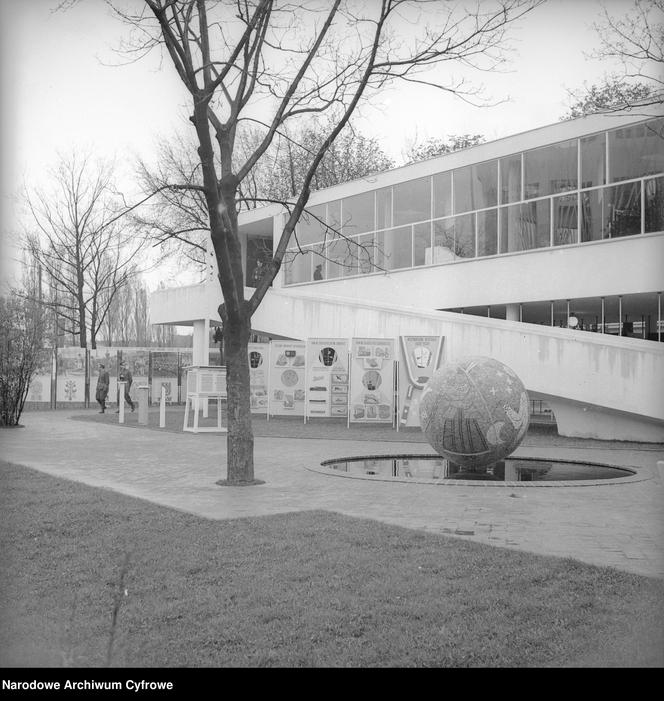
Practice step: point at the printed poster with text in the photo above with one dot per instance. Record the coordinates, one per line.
(420, 358)
(372, 380)
(258, 376)
(287, 378)
(327, 377)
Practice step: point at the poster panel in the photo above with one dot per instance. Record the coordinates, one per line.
(287, 378)
(327, 377)
(420, 358)
(259, 370)
(372, 380)
(40, 384)
(70, 383)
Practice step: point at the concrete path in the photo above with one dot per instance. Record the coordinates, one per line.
(619, 525)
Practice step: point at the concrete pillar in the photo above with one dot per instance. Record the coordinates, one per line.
(201, 344)
(512, 312)
(143, 405)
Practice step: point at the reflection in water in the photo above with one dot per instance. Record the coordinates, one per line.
(508, 470)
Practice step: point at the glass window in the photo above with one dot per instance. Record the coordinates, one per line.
(311, 227)
(358, 214)
(398, 248)
(594, 224)
(297, 266)
(565, 220)
(524, 226)
(336, 252)
(654, 192)
(550, 170)
(623, 203)
(454, 238)
(475, 187)
(510, 179)
(636, 151)
(442, 194)
(366, 253)
(422, 244)
(412, 201)
(384, 208)
(333, 218)
(487, 233)
(593, 160)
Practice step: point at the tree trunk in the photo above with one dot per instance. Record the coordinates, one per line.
(240, 439)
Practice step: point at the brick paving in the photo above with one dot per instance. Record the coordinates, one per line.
(618, 524)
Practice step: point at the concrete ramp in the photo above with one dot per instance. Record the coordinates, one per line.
(599, 386)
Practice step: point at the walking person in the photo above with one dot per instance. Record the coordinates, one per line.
(125, 376)
(102, 387)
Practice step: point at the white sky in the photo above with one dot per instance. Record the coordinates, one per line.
(57, 95)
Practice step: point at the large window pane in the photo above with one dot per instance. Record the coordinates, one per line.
(336, 253)
(510, 179)
(311, 227)
(366, 253)
(442, 194)
(384, 208)
(297, 266)
(636, 151)
(550, 170)
(333, 218)
(593, 160)
(487, 233)
(412, 201)
(398, 248)
(565, 220)
(594, 222)
(624, 209)
(654, 191)
(475, 187)
(358, 214)
(524, 226)
(454, 238)
(422, 244)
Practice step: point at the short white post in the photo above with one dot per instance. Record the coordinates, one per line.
(162, 408)
(121, 407)
(143, 405)
(660, 471)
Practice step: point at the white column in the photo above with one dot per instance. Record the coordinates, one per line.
(201, 351)
(512, 312)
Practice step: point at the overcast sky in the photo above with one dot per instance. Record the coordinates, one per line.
(57, 93)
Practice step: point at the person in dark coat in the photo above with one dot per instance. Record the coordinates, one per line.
(125, 376)
(102, 387)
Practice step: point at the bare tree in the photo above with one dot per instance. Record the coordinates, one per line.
(83, 252)
(257, 57)
(636, 40)
(437, 147)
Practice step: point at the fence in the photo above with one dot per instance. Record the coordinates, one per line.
(68, 376)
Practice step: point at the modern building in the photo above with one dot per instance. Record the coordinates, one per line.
(543, 250)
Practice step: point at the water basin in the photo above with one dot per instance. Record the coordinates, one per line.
(435, 469)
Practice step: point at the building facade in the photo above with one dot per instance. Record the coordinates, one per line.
(556, 230)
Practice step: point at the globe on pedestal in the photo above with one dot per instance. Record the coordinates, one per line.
(474, 411)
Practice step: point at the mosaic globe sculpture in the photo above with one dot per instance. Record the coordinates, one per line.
(474, 411)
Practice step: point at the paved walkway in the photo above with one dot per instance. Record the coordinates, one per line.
(620, 525)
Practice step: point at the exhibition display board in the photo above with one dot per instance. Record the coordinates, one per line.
(204, 382)
(259, 371)
(420, 358)
(372, 380)
(287, 378)
(327, 377)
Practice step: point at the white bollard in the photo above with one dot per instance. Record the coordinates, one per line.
(121, 407)
(162, 408)
(660, 471)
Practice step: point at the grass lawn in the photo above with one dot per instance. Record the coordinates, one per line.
(295, 590)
